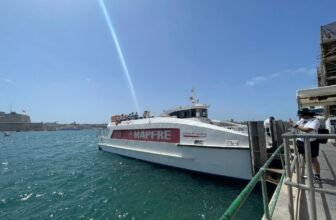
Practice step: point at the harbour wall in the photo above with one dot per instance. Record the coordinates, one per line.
(21, 126)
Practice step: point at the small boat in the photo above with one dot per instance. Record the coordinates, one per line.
(7, 133)
(183, 137)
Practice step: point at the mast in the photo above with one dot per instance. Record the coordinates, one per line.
(193, 97)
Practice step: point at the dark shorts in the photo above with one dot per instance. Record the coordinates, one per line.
(314, 147)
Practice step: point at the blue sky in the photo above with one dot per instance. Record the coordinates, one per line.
(247, 59)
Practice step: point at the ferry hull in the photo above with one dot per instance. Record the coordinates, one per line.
(224, 161)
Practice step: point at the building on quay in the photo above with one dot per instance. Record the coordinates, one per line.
(18, 122)
(326, 73)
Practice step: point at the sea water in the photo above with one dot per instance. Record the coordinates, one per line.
(63, 175)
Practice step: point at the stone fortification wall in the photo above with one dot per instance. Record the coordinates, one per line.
(14, 117)
(21, 127)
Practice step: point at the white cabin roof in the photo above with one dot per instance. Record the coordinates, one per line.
(182, 108)
(319, 96)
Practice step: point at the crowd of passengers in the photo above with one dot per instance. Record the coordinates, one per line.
(135, 116)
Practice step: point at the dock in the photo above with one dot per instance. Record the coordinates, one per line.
(325, 203)
(295, 197)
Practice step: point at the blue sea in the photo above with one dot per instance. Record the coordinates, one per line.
(63, 175)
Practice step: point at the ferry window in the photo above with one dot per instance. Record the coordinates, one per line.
(188, 114)
(174, 114)
(182, 114)
(198, 113)
(204, 113)
(193, 113)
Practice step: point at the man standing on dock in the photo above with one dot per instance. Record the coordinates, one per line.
(267, 125)
(309, 124)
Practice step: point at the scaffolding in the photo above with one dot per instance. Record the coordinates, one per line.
(326, 74)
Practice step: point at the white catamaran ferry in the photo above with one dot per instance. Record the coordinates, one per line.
(183, 137)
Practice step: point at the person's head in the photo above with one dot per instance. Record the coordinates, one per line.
(271, 118)
(306, 113)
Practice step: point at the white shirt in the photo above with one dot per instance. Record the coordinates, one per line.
(267, 123)
(312, 123)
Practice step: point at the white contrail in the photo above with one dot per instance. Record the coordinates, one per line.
(121, 56)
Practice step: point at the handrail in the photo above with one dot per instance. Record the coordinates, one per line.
(294, 165)
(259, 176)
(276, 194)
(291, 166)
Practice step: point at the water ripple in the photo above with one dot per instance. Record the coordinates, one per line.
(62, 175)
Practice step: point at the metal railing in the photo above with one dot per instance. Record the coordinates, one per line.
(259, 176)
(294, 164)
(102, 132)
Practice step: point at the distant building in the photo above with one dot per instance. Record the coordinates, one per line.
(14, 117)
(21, 122)
(18, 122)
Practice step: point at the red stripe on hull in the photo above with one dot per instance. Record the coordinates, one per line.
(193, 136)
(168, 135)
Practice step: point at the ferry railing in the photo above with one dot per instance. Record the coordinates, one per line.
(295, 165)
(102, 133)
(241, 128)
(259, 176)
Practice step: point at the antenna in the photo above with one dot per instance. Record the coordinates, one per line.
(193, 96)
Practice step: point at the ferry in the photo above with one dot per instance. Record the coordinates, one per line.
(182, 137)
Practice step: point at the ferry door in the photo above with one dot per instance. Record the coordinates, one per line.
(332, 129)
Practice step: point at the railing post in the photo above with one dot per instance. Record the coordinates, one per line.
(264, 194)
(256, 134)
(298, 168)
(237, 203)
(289, 175)
(308, 159)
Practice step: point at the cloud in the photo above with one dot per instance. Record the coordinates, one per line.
(255, 80)
(304, 70)
(274, 75)
(250, 83)
(299, 70)
(308, 70)
(8, 81)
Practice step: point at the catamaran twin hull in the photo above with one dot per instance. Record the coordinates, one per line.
(210, 150)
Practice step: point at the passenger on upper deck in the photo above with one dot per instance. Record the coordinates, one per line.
(267, 126)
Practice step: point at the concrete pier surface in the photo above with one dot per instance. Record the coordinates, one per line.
(325, 203)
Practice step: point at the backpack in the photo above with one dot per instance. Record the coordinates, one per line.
(323, 131)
